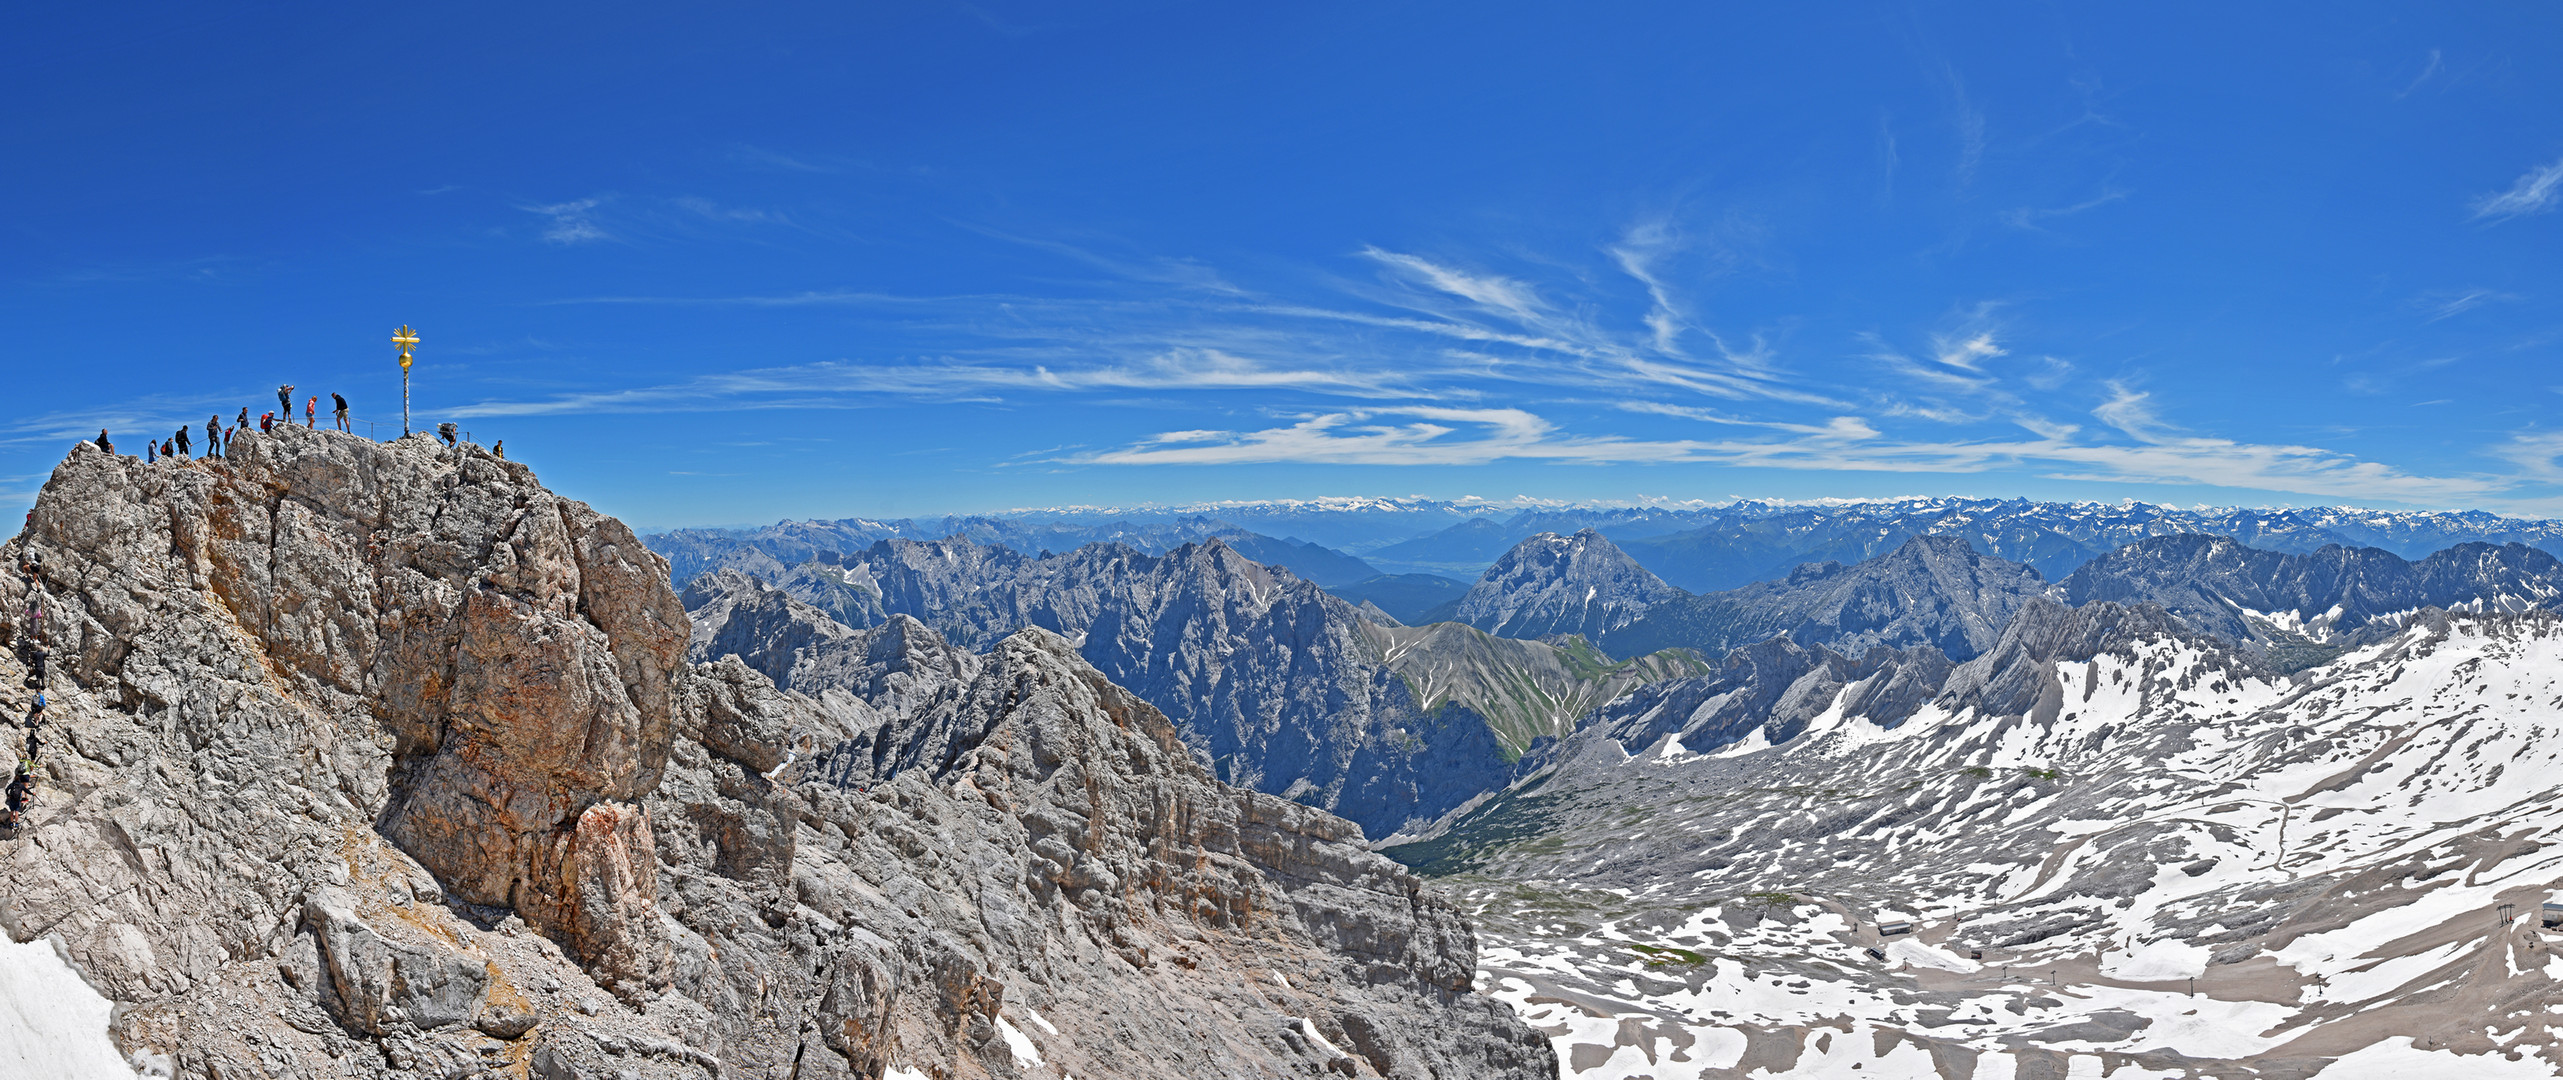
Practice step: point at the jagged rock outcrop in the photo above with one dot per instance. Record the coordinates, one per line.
(366, 759)
(1550, 585)
(1932, 591)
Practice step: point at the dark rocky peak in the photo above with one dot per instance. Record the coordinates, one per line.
(1934, 591)
(1551, 585)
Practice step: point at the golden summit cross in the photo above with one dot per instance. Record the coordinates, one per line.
(404, 337)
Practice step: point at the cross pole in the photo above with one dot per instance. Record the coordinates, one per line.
(404, 337)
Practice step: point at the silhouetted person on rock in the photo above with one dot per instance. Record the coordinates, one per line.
(285, 399)
(213, 435)
(342, 412)
(21, 786)
(103, 444)
(244, 418)
(443, 431)
(184, 450)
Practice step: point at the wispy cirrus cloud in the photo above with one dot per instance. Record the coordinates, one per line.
(2535, 192)
(2430, 67)
(573, 222)
(2029, 217)
(1392, 436)
(2154, 454)
(2449, 304)
(838, 385)
(1435, 360)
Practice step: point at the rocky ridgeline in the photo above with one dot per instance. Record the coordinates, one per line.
(371, 759)
(1270, 679)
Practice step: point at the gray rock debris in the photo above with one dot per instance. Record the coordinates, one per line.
(375, 759)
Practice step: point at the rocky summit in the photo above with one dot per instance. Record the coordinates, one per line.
(1550, 585)
(358, 759)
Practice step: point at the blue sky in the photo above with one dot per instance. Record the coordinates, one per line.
(718, 266)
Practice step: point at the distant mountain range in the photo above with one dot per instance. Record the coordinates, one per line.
(1351, 699)
(1699, 548)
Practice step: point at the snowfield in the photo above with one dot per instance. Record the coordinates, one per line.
(2176, 864)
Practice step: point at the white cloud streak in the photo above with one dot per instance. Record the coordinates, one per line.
(2157, 455)
(2535, 193)
(572, 222)
(840, 385)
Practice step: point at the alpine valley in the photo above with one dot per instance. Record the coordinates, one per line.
(360, 759)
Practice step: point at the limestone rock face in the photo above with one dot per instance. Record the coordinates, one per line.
(376, 983)
(1049, 860)
(363, 759)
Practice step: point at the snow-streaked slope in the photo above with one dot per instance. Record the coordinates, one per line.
(2076, 840)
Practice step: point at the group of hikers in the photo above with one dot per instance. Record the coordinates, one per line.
(218, 436)
(31, 647)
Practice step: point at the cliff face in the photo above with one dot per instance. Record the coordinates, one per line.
(364, 759)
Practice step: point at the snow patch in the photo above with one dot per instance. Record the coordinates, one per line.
(52, 1023)
(2158, 961)
(2397, 1059)
(1026, 1054)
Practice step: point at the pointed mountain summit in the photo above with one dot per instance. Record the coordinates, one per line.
(1551, 584)
(1933, 590)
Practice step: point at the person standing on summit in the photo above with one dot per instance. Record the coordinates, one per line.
(103, 444)
(285, 400)
(213, 435)
(341, 414)
(311, 412)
